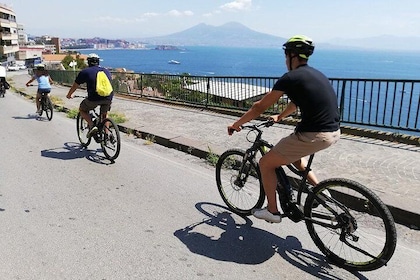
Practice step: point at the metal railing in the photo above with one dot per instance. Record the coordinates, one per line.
(375, 103)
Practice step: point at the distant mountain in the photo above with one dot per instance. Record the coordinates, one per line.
(234, 34)
(231, 34)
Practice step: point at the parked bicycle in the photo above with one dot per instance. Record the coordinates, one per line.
(346, 220)
(108, 134)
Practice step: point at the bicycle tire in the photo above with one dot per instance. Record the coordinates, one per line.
(110, 140)
(241, 192)
(367, 241)
(82, 128)
(48, 108)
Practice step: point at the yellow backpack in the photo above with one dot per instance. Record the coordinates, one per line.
(103, 85)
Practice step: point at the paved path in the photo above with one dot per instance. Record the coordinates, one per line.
(392, 170)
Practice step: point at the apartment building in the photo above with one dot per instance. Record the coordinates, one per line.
(9, 40)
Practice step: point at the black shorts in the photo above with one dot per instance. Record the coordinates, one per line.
(86, 105)
(43, 90)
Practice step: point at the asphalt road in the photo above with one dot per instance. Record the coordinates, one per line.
(68, 213)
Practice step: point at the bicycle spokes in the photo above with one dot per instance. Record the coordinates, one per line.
(352, 226)
(238, 182)
(110, 142)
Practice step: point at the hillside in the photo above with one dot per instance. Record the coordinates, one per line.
(230, 34)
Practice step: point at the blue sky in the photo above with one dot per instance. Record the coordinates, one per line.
(320, 19)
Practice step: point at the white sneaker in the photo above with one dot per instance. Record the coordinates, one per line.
(266, 215)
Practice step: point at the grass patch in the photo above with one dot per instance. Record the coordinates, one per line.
(212, 158)
(150, 139)
(117, 117)
(72, 113)
(56, 100)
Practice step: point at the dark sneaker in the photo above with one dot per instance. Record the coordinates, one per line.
(266, 215)
(92, 132)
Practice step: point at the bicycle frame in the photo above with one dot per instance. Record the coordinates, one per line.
(285, 188)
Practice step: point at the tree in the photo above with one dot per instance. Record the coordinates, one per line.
(80, 62)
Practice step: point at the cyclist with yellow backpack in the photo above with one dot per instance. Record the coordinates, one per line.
(98, 88)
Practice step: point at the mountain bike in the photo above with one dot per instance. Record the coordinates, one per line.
(46, 105)
(108, 134)
(346, 220)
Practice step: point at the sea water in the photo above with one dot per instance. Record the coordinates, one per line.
(263, 62)
(259, 62)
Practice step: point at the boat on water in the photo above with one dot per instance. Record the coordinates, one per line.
(174, 62)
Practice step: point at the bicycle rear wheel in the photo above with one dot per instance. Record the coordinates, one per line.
(361, 235)
(239, 182)
(47, 106)
(82, 127)
(111, 141)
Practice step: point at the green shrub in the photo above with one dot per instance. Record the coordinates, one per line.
(117, 117)
(72, 113)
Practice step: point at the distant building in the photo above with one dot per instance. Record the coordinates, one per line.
(57, 45)
(9, 40)
(31, 54)
(22, 36)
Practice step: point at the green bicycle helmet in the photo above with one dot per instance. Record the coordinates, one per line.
(301, 45)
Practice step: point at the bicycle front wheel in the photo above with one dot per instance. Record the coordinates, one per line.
(48, 108)
(82, 127)
(111, 141)
(350, 225)
(239, 182)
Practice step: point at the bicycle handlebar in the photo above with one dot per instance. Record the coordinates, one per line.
(266, 123)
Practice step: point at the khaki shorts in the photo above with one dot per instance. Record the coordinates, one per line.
(301, 144)
(87, 105)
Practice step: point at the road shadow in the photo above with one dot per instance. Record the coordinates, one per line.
(240, 242)
(72, 150)
(33, 116)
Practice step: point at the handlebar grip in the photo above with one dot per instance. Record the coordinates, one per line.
(231, 131)
(269, 123)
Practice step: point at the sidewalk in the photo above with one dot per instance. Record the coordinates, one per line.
(391, 170)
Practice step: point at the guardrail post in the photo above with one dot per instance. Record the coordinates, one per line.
(343, 90)
(208, 92)
(141, 85)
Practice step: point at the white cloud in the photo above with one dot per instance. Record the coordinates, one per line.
(114, 20)
(237, 5)
(150, 15)
(177, 13)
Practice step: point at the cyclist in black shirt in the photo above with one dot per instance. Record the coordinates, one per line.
(311, 92)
